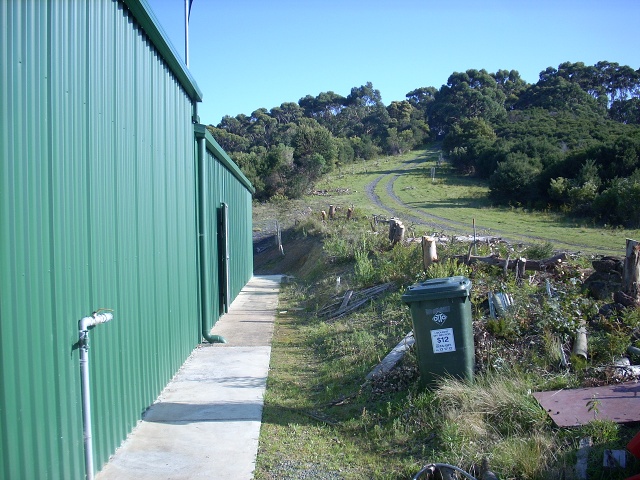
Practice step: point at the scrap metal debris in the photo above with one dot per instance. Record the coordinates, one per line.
(569, 408)
(499, 303)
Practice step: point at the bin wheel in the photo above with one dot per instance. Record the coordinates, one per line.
(428, 472)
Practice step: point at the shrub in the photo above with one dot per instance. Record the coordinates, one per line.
(619, 204)
(364, 271)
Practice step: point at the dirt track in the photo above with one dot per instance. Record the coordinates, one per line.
(440, 224)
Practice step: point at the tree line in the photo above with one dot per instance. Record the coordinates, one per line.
(571, 141)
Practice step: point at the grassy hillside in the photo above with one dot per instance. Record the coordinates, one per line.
(323, 420)
(450, 202)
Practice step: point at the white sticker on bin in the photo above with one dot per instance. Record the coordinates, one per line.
(442, 340)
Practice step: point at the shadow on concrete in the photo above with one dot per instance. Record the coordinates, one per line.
(171, 412)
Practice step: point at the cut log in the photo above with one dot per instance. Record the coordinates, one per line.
(392, 359)
(400, 234)
(521, 265)
(392, 228)
(631, 271)
(396, 231)
(429, 253)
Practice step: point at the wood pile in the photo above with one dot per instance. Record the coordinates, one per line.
(522, 264)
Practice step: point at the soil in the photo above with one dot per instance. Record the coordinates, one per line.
(302, 254)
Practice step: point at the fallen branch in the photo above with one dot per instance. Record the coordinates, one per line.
(393, 357)
(537, 265)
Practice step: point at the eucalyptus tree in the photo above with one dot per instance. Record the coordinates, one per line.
(237, 125)
(605, 81)
(324, 108)
(288, 112)
(469, 94)
(466, 142)
(312, 138)
(422, 97)
(364, 114)
(511, 84)
(626, 111)
(515, 180)
(556, 93)
(400, 114)
(262, 127)
(230, 142)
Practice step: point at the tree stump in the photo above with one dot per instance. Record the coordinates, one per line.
(521, 266)
(629, 295)
(631, 271)
(429, 253)
(396, 231)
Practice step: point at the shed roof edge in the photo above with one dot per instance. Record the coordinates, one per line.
(201, 131)
(150, 24)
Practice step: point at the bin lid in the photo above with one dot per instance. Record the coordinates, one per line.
(447, 287)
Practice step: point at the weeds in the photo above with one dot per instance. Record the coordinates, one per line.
(446, 268)
(539, 251)
(364, 271)
(323, 420)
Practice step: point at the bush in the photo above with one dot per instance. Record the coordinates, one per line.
(619, 204)
(540, 251)
(515, 179)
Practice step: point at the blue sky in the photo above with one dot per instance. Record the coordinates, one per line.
(250, 54)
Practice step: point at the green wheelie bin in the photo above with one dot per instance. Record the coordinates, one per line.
(442, 327)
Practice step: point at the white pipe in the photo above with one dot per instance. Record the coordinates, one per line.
(83, 340)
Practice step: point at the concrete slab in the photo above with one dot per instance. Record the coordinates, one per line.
(206, 422)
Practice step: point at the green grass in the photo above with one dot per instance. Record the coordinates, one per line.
(322, 420)
(458, 200)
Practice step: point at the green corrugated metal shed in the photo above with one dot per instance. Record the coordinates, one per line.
(100, 209)
(220, 178)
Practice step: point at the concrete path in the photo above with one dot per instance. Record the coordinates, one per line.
(206, 422)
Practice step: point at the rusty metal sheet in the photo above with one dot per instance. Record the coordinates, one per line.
(568, 408)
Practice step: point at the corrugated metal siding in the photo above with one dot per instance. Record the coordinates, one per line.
(39, 378)
(224, 183)
(99, 188)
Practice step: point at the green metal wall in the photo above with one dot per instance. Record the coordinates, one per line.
(98, 182)
(225, 183)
